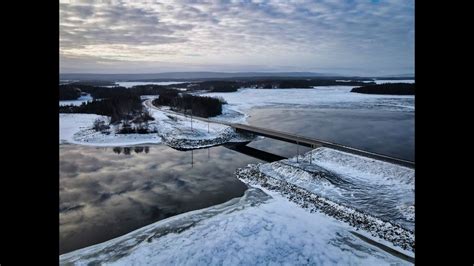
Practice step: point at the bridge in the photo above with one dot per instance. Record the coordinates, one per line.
(314, 143)
(301, 140)
(308, 142)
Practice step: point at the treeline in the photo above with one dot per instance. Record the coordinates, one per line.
(148, 89)
(195, 105)
(73, 91)
(301, 83)
(387, 88)
(94, 83)
(219, 86)
(95, 92)
(119, 107)
(69, 93)
(231, 86)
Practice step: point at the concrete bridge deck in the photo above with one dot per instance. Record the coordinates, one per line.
(314, 143)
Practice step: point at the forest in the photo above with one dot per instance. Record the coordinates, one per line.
(187, 103)
(387, 88)
(69, 93)
(118, 107)
(270, 83)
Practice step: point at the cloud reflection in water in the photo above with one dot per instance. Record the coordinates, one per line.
(107, 192)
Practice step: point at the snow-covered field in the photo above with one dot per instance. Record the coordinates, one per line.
(319, 97)
(77, 129)
(381, 81)
(79, 101)
(69, 124)
(129, 84)
(259, 228)
(350, 80)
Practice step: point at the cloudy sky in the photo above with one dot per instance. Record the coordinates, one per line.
(333, 36)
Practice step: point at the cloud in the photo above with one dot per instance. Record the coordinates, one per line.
(304, 34)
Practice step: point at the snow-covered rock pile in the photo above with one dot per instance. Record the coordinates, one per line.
(194, 139)
(342, 194)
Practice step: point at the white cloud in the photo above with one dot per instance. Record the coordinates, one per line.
(297, 34)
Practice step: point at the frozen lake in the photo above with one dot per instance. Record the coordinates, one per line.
(129, 84)
(377, 123)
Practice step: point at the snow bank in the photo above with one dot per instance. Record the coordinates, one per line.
(258, 228)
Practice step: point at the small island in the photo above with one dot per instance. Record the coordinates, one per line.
(387, 88)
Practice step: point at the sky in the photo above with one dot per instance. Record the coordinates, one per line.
(341, 37)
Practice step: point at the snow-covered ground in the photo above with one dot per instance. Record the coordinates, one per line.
(318, 97)
(381, 81)
(184, 132)
(259, 228)
(350, 80)
(129, 84)
(77, 129)
(175, 130)
(79, 101)
(147, 97)
(69, 124)
(381, 189)
(368, 194)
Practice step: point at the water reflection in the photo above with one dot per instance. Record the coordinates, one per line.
(128, 150)
(104, 194)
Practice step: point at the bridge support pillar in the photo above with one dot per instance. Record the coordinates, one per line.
(297, 151)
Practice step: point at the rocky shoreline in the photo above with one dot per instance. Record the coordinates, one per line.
(186, 143)
(393, 233)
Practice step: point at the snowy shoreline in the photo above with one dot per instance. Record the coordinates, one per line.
(173, 129)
